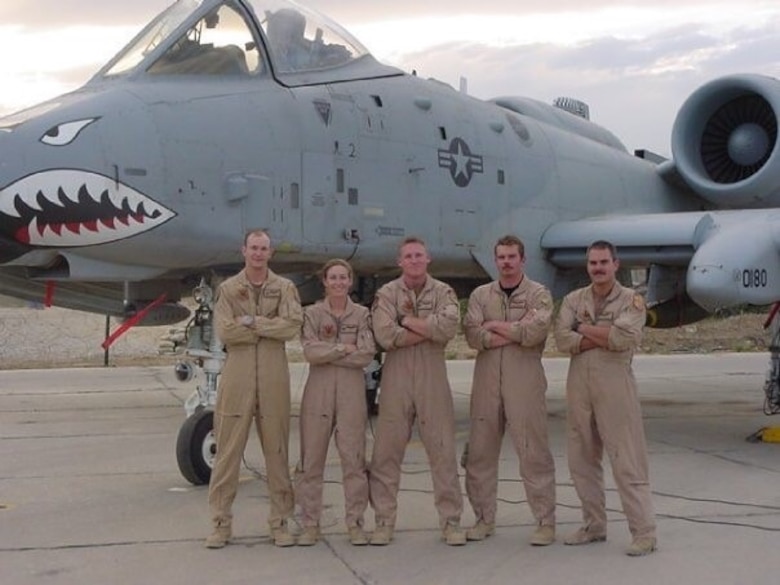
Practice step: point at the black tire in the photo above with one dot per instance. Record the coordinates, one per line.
(196, 447)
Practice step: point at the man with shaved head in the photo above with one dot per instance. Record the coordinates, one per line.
(256, 312)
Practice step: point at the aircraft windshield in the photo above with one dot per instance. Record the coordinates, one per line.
(300, 39)
(224, 41)
(220, 43)
(156, 32)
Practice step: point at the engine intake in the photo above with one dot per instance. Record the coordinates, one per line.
(724, 141)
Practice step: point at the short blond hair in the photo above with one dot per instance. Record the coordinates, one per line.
(411, 240)
(256, 232)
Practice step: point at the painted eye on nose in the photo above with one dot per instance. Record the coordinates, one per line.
(63, 134)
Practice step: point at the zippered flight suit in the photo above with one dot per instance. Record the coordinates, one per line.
(334, 401)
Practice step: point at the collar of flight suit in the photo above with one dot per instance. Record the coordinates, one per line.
(348, 310)
(613, 294)
(524, 285)
(429, 283)
(590, 297)
(243, 280)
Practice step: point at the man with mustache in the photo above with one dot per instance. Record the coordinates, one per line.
(601, 327)
(507, 323)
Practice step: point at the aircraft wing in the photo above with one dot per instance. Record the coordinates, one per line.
(718, 258)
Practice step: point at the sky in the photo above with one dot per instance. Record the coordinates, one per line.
(634, 62)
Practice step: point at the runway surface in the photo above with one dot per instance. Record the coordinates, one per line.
(90, 491)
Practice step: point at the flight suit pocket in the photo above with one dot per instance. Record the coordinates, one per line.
(268, 305)
(348, 334)
(517, 309)
(424, 307)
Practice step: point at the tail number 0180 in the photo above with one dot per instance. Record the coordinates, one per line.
(754, 278)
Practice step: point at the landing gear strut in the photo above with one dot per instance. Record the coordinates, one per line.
(196, 445)
(373, 374)
(772, 383)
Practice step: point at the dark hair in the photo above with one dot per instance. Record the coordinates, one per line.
(603, 245)
(510, 240)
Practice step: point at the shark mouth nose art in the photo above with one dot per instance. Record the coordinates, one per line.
(67, 208)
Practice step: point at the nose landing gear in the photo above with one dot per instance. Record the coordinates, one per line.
(196, 444)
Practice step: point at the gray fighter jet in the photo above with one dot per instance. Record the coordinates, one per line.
(227, 115)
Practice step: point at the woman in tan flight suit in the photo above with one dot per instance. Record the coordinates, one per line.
(338, 343)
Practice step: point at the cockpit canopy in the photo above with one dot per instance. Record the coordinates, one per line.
(246, 38)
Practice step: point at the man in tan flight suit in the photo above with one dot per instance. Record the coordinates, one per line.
(256, 312)
(338, 343)
(507, 323)
(414, 317)
(601, 327)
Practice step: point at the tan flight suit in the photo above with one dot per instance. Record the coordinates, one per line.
(415, 385)
(508, 391)
(255, 383)
(603, 408)
(334, 399)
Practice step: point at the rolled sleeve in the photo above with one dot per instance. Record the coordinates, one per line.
(443, 322)
(533, 331)
(566, 339)
(287, 324)
(315, 350)
(387, 331)
(230, 332)
(476, 336)
(626, 331)
(366, 348)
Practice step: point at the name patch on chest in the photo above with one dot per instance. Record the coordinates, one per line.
(520, 304)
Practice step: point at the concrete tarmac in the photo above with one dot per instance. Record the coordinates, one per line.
(90, 492)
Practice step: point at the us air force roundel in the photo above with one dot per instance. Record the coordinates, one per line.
(461, 162)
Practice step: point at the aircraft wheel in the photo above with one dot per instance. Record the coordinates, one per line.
(196, 447)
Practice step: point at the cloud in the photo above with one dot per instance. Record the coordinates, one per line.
(634, 86)
(625, 59)
(626, 55)
(752, 49)
(362, 11)
(44, 14)
(53, 13)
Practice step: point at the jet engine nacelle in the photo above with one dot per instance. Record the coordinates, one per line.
(724, 141)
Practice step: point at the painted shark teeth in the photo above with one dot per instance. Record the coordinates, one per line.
(61, 208)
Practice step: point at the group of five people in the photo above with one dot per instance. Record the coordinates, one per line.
(412, 319)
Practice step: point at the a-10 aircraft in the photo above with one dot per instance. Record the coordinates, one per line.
(227, 115)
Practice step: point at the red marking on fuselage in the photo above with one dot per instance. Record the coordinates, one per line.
(22, 235)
